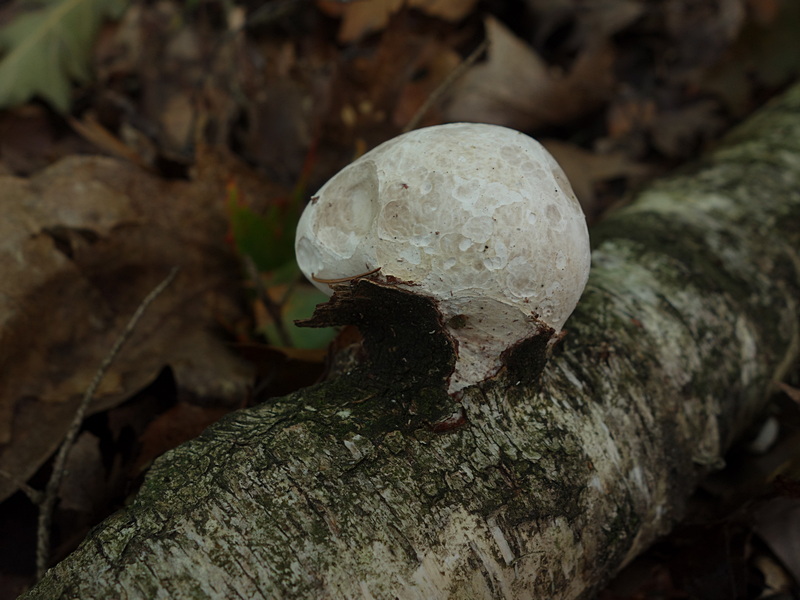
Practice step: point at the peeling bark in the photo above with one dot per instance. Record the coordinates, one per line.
(344, 490)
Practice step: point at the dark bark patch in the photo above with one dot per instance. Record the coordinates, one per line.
(524, 362)
(404, 337)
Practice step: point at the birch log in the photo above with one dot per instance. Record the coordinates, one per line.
(540, 488)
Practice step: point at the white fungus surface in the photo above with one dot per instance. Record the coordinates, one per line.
(479, 217)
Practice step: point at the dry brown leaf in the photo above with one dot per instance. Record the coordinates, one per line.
(80, 245)
(374, 94)
(170, 58)
(361, 17)
(516, 88)
(764, 11)
(682, 132)
(764, 56)
(30, 139)
(179, 424)
(702, 32)
(84, 489)
(778, 524)
(589, 22)
(777, 582)
(792, 392)
(449, 10)
(436, 62)
(630, 116)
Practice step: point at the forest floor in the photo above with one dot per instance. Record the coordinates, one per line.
(191, 134)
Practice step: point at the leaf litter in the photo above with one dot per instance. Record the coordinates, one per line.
(194, 101)
(48, 47)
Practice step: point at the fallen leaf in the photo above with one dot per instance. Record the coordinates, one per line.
(792, 392)
(48, 48)
(764, 11)
(778, 524)
(179, 424)
(449, 10)
(436, 63)
(630, 116)
(282, 371)
(777, 582)
(81, 244)
(267, 239)
(764, 55)
(588, 23)
(373, 95)
(83, 487)
(701, 34)
(516, 88)
(361, 17)
(682, 132)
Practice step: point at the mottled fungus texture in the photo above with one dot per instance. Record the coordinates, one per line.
(477, 217)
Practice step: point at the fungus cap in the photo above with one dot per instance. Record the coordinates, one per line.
(478, 217)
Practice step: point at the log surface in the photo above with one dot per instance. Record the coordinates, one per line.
(546, 489)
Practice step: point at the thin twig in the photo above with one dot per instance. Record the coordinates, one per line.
(445, 86)
(51, 491)
(345, 279)
(33, 495)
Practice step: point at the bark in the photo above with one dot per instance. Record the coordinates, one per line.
(350, 489)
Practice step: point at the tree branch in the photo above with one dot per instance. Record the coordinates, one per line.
(344, 490)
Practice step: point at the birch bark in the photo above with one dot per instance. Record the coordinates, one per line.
(344, 490)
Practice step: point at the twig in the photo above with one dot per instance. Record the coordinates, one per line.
(51, 490)
(443, 87)
(33, 495)
(345, 279)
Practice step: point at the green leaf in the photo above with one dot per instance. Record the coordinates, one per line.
(300, 305)
(49, 48)
(267, 239)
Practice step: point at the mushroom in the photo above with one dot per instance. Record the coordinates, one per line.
(479, 218)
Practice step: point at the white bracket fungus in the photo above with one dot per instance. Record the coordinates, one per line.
(479, 218)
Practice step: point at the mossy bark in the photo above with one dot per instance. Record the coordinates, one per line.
(545, 487)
